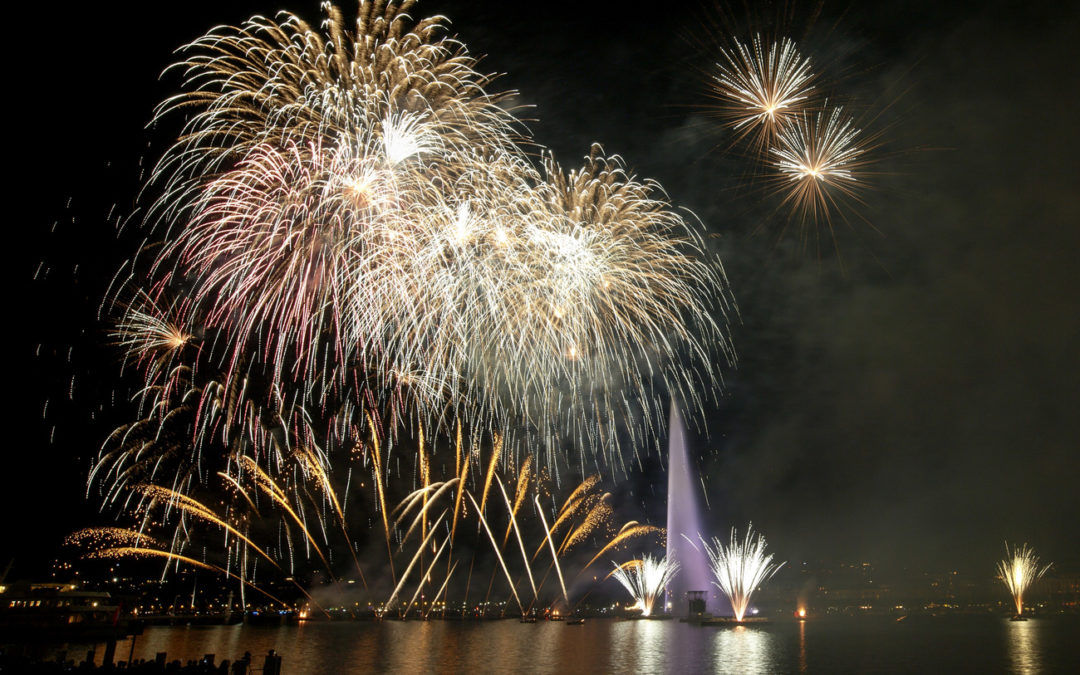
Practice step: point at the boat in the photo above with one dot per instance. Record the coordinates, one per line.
(575, 622)
(61, 612)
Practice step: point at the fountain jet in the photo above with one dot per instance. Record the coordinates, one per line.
(683, 521)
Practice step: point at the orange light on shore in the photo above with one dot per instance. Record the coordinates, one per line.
(801, 613)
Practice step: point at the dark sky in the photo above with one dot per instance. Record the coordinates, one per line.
(905, 393)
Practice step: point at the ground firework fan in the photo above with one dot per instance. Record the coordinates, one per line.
(646, 579)
(740, 567)
(1018, 571)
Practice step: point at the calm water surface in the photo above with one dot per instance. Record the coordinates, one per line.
(864, 645)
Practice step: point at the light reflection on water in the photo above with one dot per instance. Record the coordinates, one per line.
(744, 649)
(640, 646)
(1023, 642)
(802, 647)
(945, 644)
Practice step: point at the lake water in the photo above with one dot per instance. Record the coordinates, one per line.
(864, 645)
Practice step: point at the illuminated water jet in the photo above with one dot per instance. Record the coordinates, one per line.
(683, 519)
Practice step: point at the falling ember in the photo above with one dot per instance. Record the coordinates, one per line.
(740, 567)
(1019, 570)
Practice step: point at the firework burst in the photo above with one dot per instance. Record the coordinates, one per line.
(354, 226)
(1018, 571)
(818, 158)
(313, 166)
(740, 567)
(762, 87)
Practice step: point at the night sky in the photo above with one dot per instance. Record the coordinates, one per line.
(907, 387)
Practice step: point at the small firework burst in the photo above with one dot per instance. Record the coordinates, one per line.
(762, 87)
(818, 158)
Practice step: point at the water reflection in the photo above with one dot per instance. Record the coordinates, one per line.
(1023, 646)
(802, 647)
(640, 646)
(743, 650)
(949, 644)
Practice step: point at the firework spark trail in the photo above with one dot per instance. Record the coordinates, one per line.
(93, 535)
(427, 497)
(1018, 571)
(150, 334)
(517, 533)
(740, 567)
(495, 547)
(554, 555)
(427, 576)
(239, 490)
(629, 531)
(762, 88)
(125, 551)
(646, 579)
(598, 514)
(463, 471)
(519, 494)
(425, 478)
(376, 462)
(264, 482)
(442, 589)
(314, 466)
(577, 497)
(496, 450)
(412, 563)
(199, 510)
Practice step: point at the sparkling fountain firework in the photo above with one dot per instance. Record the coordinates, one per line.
(646, 579)
(740, 567)
(1018, 571)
